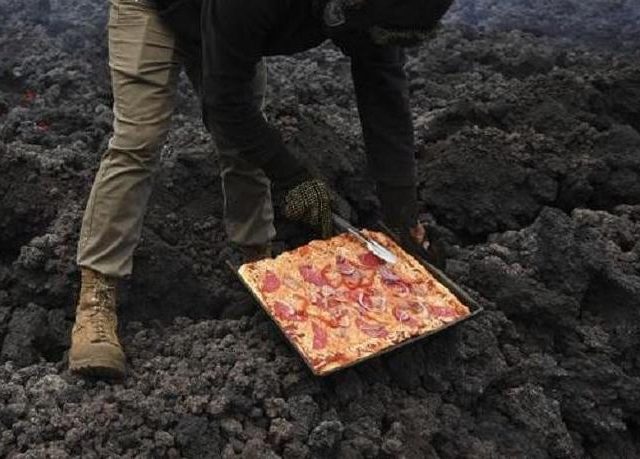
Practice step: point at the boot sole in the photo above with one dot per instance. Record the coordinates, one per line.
(96, 369)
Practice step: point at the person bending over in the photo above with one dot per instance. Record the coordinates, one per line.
(235, 37)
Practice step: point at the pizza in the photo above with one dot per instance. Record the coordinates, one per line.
(338, 303)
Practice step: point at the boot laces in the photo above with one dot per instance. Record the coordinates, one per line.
(102, 311)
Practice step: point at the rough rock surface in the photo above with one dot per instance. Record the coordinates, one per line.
(527, 119)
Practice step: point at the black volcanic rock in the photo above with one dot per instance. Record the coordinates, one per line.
(527, 131)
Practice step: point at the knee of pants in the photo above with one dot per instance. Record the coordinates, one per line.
(141, 141)
(233, 168)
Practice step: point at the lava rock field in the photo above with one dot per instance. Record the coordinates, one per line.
(527, 118)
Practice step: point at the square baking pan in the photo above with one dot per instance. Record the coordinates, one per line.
(455, 289)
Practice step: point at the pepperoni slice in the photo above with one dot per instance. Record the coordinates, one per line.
(369, 260)
(320, 337)
(371, 329)
(270, 282)
(311, 275)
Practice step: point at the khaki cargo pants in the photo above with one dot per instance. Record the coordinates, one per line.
(145, 61)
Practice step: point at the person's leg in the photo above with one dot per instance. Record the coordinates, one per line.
(144, 70)
(248, 210)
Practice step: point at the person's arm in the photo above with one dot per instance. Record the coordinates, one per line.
(233, 36)
(382, 93)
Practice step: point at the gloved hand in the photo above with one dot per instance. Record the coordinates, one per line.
(310, 202)
(414, 239)
(418, 234)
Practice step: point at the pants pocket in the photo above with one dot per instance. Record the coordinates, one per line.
(129, 12)
(141, 45)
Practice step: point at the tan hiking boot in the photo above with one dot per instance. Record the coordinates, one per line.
(95, 349)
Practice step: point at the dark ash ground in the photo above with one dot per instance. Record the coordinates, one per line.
(528, 119)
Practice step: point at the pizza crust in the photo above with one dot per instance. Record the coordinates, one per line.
(338, 305)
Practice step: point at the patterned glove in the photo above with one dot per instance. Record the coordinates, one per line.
(310, 203)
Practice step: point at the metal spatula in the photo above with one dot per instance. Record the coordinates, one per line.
(374, 247)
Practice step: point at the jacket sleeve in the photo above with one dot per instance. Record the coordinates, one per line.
(232, 38)
(382, 93)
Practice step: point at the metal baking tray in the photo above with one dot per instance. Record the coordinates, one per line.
(464, 297)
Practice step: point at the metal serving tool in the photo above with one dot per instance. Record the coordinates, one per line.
(374, 247)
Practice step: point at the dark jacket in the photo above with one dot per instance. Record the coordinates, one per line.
(236, 34)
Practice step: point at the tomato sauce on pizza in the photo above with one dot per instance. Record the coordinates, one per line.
(338, 303)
